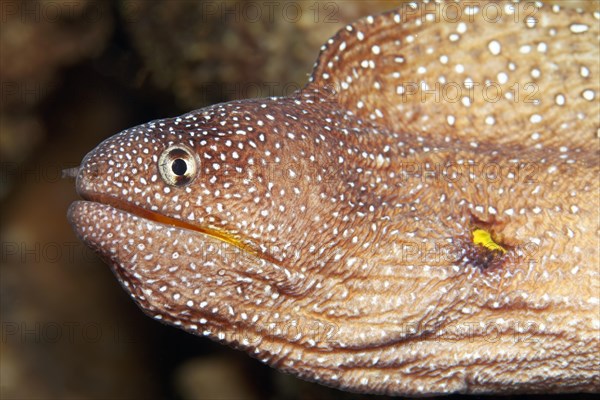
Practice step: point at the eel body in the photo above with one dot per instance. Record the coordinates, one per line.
(421, 218)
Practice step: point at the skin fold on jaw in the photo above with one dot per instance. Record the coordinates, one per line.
(371, 240)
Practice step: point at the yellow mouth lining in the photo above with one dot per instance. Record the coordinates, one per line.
(218, 234)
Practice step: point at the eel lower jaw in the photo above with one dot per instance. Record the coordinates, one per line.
(158, 218)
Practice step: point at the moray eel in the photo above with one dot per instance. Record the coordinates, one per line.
(421, 218)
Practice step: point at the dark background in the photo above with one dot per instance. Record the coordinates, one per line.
(73, 73)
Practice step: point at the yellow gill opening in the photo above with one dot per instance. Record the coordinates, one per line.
(484, 238)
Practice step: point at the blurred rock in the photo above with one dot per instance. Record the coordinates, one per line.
(213, 377)
(37, 39)
(205, 52)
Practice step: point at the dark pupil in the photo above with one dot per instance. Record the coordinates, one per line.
(179, 167)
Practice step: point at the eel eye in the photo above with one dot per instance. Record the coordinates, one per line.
(178, 166)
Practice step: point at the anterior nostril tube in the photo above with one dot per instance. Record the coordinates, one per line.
(70, 173)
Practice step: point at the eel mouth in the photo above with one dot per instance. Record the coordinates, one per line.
(158, 218)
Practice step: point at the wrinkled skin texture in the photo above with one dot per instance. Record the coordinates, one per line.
(329, 234)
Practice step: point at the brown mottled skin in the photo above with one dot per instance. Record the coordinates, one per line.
(330, 233)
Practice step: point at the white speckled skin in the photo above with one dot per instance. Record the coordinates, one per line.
(329, 233)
